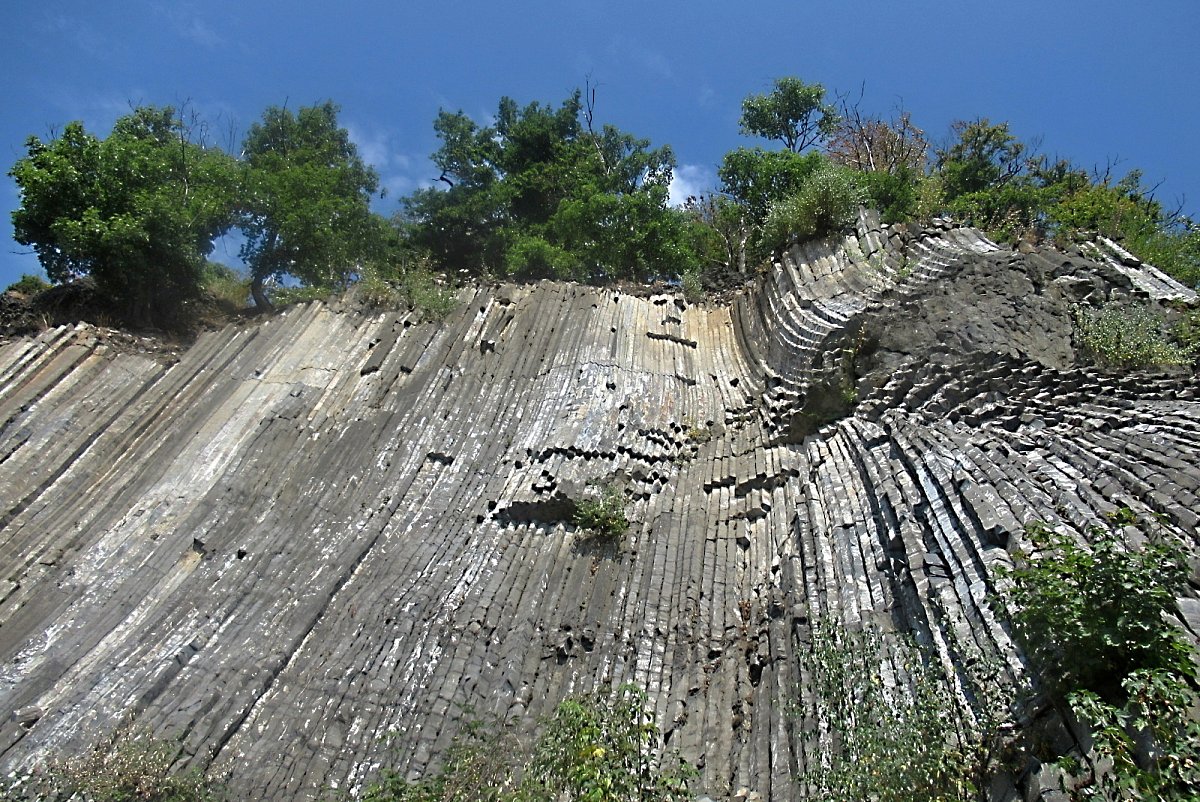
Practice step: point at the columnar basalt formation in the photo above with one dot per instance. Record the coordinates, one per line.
(304, 534)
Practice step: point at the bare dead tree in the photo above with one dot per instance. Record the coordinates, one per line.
(589, 116)
(869, 143)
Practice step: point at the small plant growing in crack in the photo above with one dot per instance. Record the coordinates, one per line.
(697, 433)
(603, 515)
(877, 263)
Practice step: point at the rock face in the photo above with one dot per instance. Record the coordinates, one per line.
(311, 532)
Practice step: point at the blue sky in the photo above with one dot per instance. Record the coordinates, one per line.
(1097, 81)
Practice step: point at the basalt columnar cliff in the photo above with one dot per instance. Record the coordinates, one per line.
(310, 531)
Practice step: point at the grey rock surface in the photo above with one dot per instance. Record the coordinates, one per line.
(305, 534)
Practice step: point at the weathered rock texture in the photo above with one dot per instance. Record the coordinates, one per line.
(310, 532)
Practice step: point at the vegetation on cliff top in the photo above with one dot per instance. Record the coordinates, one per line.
(542, 191)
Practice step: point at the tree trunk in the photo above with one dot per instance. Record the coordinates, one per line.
(261, 302)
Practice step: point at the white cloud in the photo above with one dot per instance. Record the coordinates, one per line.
(79, 35)
(690, 179)
(185, 19)
(399, 175)
(654, 63)
(98, 112)
(372, 146)
(200, 32)
(397, 185)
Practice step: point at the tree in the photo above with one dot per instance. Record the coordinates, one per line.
(992, 180)
(870, 144)
(826, 203)
(985, 156)
(726, 230)
(542, 193)
(305, 200)
(794, 112)
(756, 178)
(137, 211)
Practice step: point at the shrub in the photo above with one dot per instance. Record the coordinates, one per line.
(1127, 212)
(1148, 748)
(603, 516)
(128, 766)
(431, 299)
(599, 748)
(1094, 620)
(827, 202)
(692, 287)
(411, 281)
(287, 296)
(1173, 249)
(375, 289)
(895, 194)
(479, 766)
(534, 257)
(1090, 614)
(1128, 337)
(28, 285)
(912, 739)
(1187, 331)
(227, 287)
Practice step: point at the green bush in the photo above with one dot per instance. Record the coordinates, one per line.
(479, 766)
(1094, 619)
(603, 517)
(756, 178)
(896, 195)
(534, 257)
(1173, 249)
(903, 741)
(126, 767)
(374, 288)
(287, 296)
(692, 287)
(1126, 211)
(1158, 713)
(598, 748)
(433, 300)
(28, 285)
(1128, 337)
(228, 288)
(1090, 614)
(1187, 331)
(827, 202)
(411, 280)
(601, 749)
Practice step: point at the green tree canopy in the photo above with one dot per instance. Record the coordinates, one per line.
(305, 199)
(983, 157)
(541, 193)
(137, 211)
(793, 112)
(757, 178)
(768, 184)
